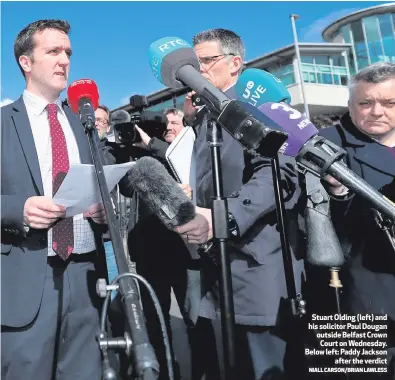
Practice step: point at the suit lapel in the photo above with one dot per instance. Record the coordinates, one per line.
(25, 135)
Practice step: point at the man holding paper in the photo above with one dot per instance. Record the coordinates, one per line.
(50, 310)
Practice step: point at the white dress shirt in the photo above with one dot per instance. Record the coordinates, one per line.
(36, 110)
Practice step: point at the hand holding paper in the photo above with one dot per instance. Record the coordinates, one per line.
(97, 213)
(80, 189)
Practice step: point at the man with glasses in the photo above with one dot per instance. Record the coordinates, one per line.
(102, 116)
(255, 248)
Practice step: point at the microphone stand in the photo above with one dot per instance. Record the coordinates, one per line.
(144, 359)
(295, 306)
(323, 246)
(220, 237)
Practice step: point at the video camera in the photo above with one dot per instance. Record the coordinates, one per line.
(152, 123)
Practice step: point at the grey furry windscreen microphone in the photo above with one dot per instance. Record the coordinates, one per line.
(160, 192)
(119, 117)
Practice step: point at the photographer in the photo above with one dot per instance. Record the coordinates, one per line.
(173, 128)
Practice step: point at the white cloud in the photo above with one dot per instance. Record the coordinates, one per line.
(312, 33)
(5, 101)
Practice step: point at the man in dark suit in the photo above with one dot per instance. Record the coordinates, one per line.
(50, 310)
(367, 133)
(255, 251)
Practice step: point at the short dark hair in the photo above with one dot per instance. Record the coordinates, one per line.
(375, 73)
(104, 108)
(24, 43)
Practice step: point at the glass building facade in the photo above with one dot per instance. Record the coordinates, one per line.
(175, 102)
(372, 39)
(318, 69)
(321, 69)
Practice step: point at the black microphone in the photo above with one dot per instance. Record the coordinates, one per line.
(160, 192)
(123, 127)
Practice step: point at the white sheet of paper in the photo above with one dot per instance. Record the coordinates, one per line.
(180, 157)
(80, 188)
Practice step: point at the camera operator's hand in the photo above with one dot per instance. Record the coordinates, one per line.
(189, 109)
(145, 139)
(187, 189)
(200, 229)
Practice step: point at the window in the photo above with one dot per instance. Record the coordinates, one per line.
(307, 59)
(373, 38)
(338, 60)
(161, 106)
(385, 25)
(288, 79)
(387, 34)
(322, 60)
(285, 74)
(359, 44)
(345, 31)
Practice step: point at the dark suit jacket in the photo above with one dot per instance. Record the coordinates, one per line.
(24, 256)
(256, 258)
(369, 274)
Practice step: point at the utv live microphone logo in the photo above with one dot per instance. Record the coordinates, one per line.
(253, 94)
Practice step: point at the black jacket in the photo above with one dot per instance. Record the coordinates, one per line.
(369, 273)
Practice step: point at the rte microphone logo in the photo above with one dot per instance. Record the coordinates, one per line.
(172, 44)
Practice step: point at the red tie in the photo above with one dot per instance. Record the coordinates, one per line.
(62, 232)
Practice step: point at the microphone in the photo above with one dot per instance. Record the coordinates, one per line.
(119, 117)
(160, 192)
(123, 127)
(320, 156)
(175, 64)
(83, 97)
(312, 152)
(256, 87)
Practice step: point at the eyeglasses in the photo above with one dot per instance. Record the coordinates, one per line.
(207, 60)
(99, 120)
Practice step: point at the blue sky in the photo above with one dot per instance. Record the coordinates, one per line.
(110, 40)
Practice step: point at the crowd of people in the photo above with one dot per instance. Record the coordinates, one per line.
(50, 262)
